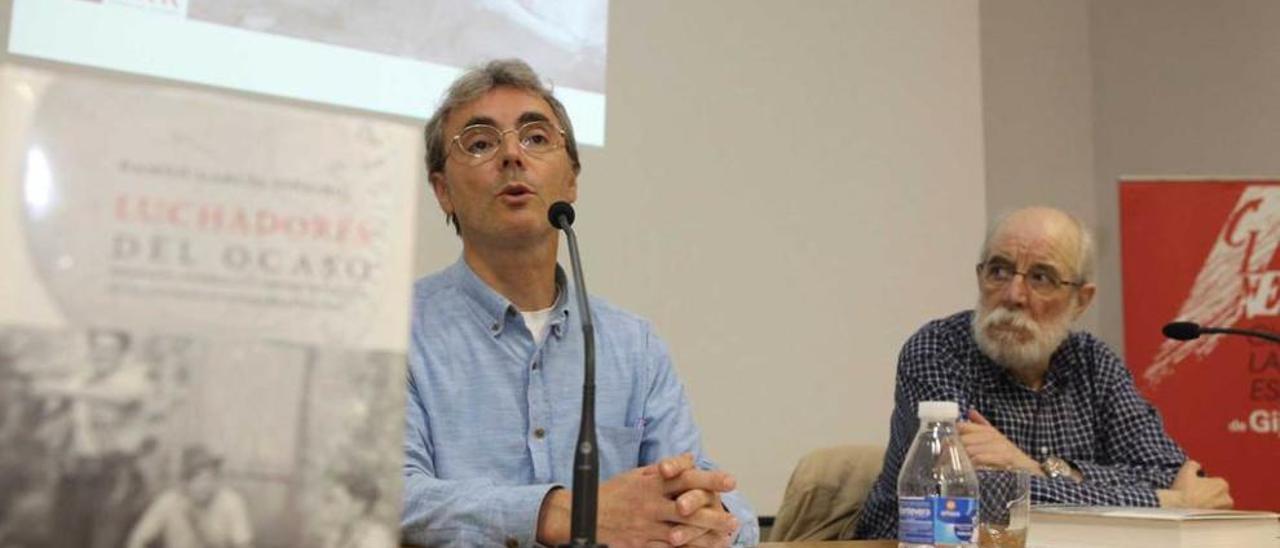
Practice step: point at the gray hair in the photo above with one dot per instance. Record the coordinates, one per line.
(511, 73)
(1086, 256)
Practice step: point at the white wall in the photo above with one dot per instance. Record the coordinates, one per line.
(788, 191)
(1037, 97)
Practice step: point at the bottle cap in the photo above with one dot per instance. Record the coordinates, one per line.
(938, 410)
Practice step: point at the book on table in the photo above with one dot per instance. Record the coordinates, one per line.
(1104, 526)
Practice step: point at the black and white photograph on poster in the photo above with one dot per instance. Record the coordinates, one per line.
(129, 439)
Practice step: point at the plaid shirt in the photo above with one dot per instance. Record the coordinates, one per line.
(1088, 413)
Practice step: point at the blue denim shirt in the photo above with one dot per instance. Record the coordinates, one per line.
(492, 417)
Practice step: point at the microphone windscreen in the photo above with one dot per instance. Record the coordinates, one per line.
(558, 210)
(1182, 331)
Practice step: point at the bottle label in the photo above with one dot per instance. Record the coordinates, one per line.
(915, 520)
(954, 519)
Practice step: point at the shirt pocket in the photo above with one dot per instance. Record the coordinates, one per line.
(619, 448)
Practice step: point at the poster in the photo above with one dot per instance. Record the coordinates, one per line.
(1206, 251)
(203, 310)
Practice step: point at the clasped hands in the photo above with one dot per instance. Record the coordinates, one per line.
(669, 503)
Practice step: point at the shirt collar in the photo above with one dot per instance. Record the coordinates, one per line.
(492, 309)
(564, 298)
(1060, 363)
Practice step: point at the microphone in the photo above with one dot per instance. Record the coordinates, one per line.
(1185, 331)
(586, 459)
(1181, 331)
(561, 215)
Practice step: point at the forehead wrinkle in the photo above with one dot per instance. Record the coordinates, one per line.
(1044, 234)
(532, 108)
(1026, 250)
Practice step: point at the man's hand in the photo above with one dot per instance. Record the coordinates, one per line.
(631, 511)
(1189, 490)
(669, 503)
(986, 446)
(703, 520)
(554, 518)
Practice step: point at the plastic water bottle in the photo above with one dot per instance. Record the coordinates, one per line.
(937, 487)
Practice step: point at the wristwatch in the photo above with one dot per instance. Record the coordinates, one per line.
(1055, 467)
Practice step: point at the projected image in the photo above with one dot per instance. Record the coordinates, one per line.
(565, 40)
(390, 56)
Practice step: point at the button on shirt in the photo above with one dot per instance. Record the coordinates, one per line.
(1088, 413)
(492, 416)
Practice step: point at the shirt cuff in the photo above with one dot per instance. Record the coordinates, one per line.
(748, 528)
(1094, 473)
(516, 517)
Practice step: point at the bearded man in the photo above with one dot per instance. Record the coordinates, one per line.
(1038, 397)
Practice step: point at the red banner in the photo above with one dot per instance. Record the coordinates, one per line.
(1208, 251)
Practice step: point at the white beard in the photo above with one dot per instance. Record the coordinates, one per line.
(1005, 349)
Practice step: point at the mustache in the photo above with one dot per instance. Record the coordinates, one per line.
(1012, 318)
(1033, 347)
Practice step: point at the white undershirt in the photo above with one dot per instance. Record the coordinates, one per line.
(536, 321)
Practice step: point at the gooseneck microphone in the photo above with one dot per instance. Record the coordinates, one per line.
(586, 459)
(1185, 331)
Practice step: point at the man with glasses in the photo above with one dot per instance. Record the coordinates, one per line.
(1056, 403)
(496, 356)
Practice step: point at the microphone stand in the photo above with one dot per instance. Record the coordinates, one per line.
(586, 459)
(1245, 332)
(1186, 331)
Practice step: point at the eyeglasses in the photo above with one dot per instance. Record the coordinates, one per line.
(996, 274)
(479, 143)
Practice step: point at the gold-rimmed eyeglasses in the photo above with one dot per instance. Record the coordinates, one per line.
(480, 142)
